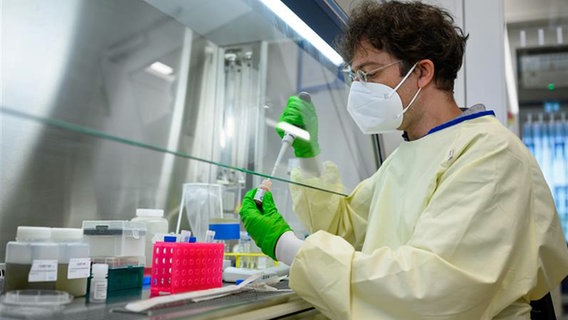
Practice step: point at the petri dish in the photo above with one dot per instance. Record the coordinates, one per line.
(37, 298)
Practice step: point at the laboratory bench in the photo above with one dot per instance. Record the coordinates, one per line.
(247, 305)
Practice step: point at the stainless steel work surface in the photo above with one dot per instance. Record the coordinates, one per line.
(256, 305)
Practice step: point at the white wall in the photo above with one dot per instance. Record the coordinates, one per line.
(485, 55)
(482, 76)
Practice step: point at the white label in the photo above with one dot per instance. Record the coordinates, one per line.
(79, 268)
(43, 270)
(100, 290)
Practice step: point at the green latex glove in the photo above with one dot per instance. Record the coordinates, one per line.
(302, 114)
(265, 225)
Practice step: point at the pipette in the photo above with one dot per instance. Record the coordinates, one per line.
(287, 141)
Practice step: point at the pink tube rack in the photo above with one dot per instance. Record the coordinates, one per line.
(182, 266)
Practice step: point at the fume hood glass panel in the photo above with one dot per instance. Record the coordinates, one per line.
(67, 175)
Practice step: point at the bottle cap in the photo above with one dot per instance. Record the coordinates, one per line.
(149, 212)
(100, 270)
(226, 231)
(147, 280)
(170, 238)
(66, 234)
(25, 233)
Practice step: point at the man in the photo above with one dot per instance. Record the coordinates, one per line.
(458, 223)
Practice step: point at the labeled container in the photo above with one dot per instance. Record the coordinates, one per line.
(155, 224)
(74, 261)
(183, 266)
(125, 275)
(99, 283)
(31, 260)
(114, 238)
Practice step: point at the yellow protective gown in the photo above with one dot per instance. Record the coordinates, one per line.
(459, 224)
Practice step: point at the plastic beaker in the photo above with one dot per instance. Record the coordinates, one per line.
(202, 202)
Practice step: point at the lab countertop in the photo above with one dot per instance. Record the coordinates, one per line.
(247, 305)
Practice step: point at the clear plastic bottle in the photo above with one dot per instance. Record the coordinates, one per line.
(74, 262)
(155, 224)
(245, 247)
(31, 260)
(99, 283)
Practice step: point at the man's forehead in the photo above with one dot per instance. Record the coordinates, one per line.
(366, 54)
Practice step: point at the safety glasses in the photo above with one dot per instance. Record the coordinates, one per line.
(363, 76)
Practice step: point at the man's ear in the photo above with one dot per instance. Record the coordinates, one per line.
(425, 69)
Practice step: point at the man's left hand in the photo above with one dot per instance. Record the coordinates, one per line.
(264, 225)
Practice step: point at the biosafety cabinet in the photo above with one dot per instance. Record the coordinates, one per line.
(109, 106)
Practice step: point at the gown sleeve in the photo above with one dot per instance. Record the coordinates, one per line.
(334, 213)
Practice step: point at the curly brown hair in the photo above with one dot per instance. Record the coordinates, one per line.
(410, 31)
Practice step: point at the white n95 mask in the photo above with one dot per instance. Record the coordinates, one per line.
(377, 108)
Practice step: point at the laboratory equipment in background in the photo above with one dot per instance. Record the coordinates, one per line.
(249, 260)
(120, 245)
(31, 260)
(156, 225)
(545, 133)
(184, 266)
(226, 226)
(74, 261)
(99, 283)
(115, 238)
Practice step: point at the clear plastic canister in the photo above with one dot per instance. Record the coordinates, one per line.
(155, 224)
(31, 260)
(74, 260)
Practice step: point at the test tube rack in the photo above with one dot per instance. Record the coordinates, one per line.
(182, 266)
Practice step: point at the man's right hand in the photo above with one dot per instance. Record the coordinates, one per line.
(302, 114)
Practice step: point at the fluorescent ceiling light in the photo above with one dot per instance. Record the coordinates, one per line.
(294, 22)
(161, 68)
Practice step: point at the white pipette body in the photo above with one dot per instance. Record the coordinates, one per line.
(266, 183)
(287, 141)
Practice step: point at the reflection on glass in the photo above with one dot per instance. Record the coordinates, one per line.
(87, 131)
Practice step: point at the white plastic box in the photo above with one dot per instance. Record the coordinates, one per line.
(114, 238)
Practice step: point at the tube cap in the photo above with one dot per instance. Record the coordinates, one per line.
(100, 270)
(170, 239)
(25, 233)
